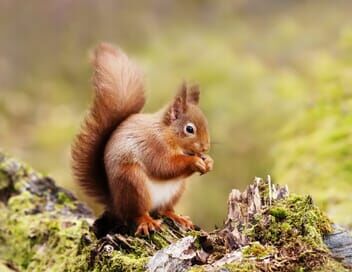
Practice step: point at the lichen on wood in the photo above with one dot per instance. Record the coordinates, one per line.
(45, 228)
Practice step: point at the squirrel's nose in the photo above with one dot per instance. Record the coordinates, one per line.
(205, 148)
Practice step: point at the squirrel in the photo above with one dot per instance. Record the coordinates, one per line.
(136, 163)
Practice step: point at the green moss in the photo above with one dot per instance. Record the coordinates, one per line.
(159, 240)
(23, 203)
(120, 262)
(291, 218)
(334, 266)
(197, 268)
(243, 266)
(287, 234)
(3, 180)
(293, 225)
(258, 250)
(36, 234)
(63, 198)
(36, 242)
(278, 212)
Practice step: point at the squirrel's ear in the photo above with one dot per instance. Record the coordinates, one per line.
(178, 106)
(193, 95)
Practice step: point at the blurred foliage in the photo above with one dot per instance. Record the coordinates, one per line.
(262, 66)
(315, 153)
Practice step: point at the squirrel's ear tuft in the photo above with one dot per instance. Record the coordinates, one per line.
(193, 95)
(178, 106)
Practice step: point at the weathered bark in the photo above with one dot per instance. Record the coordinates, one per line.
(44, 228)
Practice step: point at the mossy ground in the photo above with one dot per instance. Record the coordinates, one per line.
(44, 228)
(38, 230)
(285, 234)
(293, 218)
(289, 235)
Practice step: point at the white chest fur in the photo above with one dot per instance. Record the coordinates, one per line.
(161, 192)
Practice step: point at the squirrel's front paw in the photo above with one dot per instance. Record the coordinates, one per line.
(209, 162)
(203, 164)
(199, 165)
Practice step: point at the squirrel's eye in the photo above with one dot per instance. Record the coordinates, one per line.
(190, 129)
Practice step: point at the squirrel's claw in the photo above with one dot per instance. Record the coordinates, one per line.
(209, 162)
(200, 165)
(203, 164)
(184, 221)
(146, 224)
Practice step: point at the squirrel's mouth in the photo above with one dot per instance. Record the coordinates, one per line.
(193, 153)
(189, 153)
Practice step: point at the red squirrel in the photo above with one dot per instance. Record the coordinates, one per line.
(136, 163)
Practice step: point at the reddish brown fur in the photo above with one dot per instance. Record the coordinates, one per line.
(129, 185)
(141, 151)
(113, 102)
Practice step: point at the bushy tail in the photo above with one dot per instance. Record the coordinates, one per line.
(119, 92)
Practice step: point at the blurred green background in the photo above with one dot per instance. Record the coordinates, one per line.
(276, 80)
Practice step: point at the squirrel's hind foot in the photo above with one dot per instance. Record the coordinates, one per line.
(184, 221)
(146, 224)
